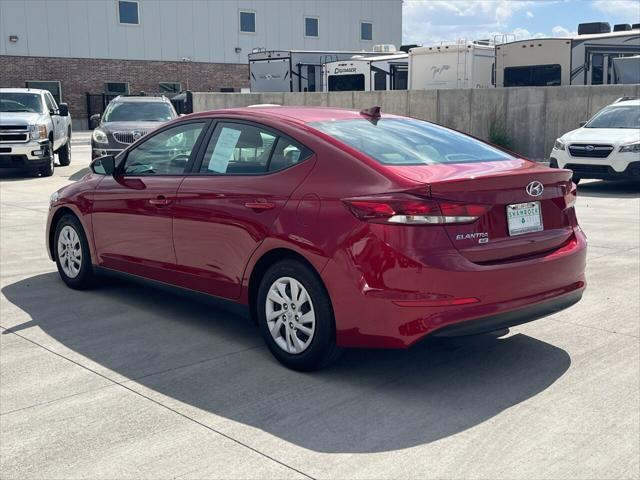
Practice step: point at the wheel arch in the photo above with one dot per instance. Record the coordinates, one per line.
(53, 223)
(261, 266)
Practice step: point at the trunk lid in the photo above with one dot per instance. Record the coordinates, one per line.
(500, 184)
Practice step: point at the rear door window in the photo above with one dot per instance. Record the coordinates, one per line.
(238, 148)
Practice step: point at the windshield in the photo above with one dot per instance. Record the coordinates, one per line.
(616, 117)
(138, 112)
(20, 102)
(405, 141)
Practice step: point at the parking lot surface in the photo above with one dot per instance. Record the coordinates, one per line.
(131, 381)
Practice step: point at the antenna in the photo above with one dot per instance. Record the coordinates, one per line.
(373, 114)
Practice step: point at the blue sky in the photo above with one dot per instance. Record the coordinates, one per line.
(433, 21)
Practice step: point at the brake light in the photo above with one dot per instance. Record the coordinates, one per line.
(406, 209)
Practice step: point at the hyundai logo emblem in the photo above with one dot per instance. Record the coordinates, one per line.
(589, 148)
(535, 188)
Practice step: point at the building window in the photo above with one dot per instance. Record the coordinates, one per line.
(311, 27)
(170, 87)
(116, 88)
(366, 31)
(53, 86)
(248, 22)
(128, 12)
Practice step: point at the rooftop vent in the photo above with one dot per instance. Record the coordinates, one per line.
(621, 27)
(593, 27)
(386, 48)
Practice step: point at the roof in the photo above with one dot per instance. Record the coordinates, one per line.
(592, 36)
(635, 102)
(22, 90)
(297, 114)
(140, 98)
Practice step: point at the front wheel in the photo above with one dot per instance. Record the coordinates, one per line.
(64, 153)
(47, 170)
(295, 317)
(575, 179)
(72, 255)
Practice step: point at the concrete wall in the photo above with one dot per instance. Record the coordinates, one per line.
(533, 117)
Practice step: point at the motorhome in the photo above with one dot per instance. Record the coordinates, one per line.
(585, 59)
(384, 72)
(292, 70)
(460, 65)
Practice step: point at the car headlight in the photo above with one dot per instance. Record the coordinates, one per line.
(631, 147)
(38, 132)
(54, 198)
(559, 145)
(99, 136)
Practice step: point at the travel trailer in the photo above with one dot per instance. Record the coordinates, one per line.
(384, 72)
(460, 65)
(292, 70)
(586, 59)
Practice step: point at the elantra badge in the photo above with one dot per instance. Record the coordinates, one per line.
(535, 188)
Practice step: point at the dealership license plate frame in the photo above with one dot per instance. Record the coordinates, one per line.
(521, 222)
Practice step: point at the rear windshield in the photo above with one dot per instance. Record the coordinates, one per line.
(405, 141)
(138, 112)
(616, 117)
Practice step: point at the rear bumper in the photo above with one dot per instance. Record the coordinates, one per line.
(512, 318)
(448, 295)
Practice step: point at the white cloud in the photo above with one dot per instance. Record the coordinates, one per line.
(433, 21)
(627, 11)
(530, 14)
(560, 31)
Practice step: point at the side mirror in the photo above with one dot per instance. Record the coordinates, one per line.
(104, 165)
(94, 120)
(582, 124)
(63, 110)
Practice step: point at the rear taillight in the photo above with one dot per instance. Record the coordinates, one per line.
(410, 210)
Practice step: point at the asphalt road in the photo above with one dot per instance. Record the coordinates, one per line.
(129, 381)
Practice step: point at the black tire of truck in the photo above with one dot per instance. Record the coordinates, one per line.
(64, 153)
(47, 170)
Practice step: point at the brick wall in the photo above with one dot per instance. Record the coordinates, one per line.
(81, 75)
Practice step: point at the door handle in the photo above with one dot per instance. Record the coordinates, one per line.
(259, 206)
(159, 201)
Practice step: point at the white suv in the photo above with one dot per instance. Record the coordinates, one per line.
(606, 147)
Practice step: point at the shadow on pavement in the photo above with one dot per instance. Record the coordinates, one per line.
(206, 357)
(610, 189)
(79, 174)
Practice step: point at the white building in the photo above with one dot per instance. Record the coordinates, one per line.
(75, 47)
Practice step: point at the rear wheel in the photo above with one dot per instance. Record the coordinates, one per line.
(295, 317)
(71, 251)
(576, 179)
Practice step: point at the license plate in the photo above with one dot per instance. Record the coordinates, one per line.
(524, 218)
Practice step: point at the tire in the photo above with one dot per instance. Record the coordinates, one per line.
(47, 170)
(64, 153)
(575, 179)
(76, 274)
(315, 350)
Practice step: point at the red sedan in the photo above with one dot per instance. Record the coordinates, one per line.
(336, 228)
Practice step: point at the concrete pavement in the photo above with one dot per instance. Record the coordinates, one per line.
(130, 381)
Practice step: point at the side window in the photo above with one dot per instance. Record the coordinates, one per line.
(236, 148)
(49, 102)
(380, 81)
(166, 153)
(286, 154)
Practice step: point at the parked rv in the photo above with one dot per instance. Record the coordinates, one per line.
(586, 59)
(292, 70)
(460, 65)
(385, 72)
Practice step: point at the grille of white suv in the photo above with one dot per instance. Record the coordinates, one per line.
(590, 150)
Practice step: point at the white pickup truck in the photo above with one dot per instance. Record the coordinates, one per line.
(32, 128)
